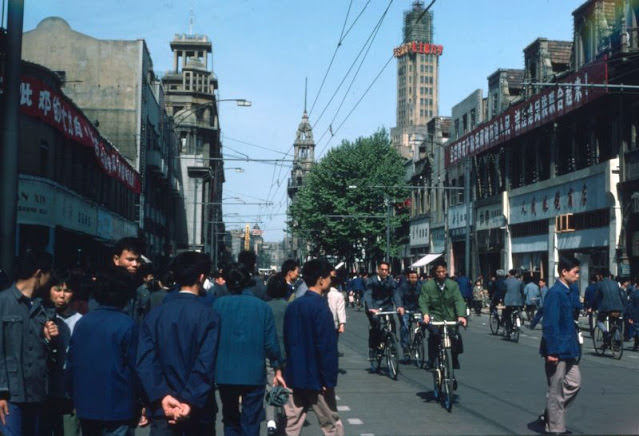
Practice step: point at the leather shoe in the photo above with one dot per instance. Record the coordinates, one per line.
(428, 365)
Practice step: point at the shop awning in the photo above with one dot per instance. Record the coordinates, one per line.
(426, 259)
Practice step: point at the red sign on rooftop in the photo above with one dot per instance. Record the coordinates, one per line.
(555, 101)
(418, 47)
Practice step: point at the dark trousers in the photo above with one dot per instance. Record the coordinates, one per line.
(24, 419)
(248, 420)
(434, 339)
(375, 331)
(91, 427)
(190, 427)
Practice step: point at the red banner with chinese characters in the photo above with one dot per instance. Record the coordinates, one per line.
(551, 103)
(40, 101)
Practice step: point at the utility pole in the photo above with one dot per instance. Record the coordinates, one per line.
(388, 217)
(10, 139)
(468, 212)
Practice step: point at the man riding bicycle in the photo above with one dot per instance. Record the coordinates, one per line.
(409, 293)
(514, 298)
(610, 300)
(441, 300)
(381, 293)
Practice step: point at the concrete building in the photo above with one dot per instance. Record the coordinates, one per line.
(113, 83)
(191, 100)
(505, 87)
(417, 80)
(555, 172)
(76, 192)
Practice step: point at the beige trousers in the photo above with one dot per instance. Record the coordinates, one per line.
(323, 404)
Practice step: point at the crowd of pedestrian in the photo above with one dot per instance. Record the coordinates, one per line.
(128, 345)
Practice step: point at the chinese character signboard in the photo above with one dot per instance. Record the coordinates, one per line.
(40, 101)
(418, 47)
(550, 104)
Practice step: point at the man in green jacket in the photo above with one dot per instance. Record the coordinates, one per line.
(441, 300)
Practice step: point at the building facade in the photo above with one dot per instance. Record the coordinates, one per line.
(113, 83)
(76, 192)
(191, 100)
(554, 173)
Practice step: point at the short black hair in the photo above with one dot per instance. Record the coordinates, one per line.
(276, 287)
(132, 244)
(437, 263)
(31, 261)
(146, 269)
(187, 267)
(314, 269)
(248, 259)
(567, 263)
(383, 262)
(289, 265)
(114, 287)
(237, 277)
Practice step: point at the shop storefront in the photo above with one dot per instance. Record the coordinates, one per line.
(491, 225)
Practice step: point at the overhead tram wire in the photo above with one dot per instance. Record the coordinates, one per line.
(366, 91)
(366, 43)
(252, 145)
(376, 31)
(330, 64)
(339, 44)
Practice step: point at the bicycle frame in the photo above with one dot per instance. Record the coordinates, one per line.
(444, 375)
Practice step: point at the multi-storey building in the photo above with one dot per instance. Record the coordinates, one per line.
(76, 192)
(113, 83)
(417, 80)
(191, 100)
(554, 173)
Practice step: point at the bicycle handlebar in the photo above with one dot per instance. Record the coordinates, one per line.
(438, 323)
(380, 313)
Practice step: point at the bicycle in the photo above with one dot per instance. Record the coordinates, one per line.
(387, 348)
(613, 341)
(495, 320)
(512, 330)
(444, 381)
(416, 347)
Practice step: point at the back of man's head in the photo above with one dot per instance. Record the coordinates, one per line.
(187, 267)
(114, 287)
(29, 262)
(248, 259)
(314, 269)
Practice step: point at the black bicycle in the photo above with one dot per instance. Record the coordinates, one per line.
(613, 341)
(444, 381)
(417, 344)
(498, 324)
(387, 349)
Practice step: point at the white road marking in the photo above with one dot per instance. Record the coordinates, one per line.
(343, 409)
(355, 421)
(337, 397)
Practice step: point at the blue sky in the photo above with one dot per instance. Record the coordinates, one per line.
(264, 49)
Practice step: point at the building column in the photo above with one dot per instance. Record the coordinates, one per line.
(553, 251)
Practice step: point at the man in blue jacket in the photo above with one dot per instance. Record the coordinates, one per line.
(101, 360)
(177, 351)
(311, 350)
(560, 346)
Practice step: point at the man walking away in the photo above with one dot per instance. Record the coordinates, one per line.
(311, 350)
(560, 347)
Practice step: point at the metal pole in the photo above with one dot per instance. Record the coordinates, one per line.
(468, 212)
(10, 138)
(388, 213)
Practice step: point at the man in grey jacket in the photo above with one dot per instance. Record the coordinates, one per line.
(27, 341)
(514, 298)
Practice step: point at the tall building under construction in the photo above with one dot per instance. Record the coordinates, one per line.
(417, 80)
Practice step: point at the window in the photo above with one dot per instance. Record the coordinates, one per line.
(565, 223)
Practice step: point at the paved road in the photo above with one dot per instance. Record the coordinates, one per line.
(501, 390)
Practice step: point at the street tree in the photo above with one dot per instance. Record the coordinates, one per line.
(349, 196)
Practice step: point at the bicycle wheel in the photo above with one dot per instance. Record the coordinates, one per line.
(392, 356)
(494, 323)
(514, 332)
(447, 381)
(616, 343)
(437, 380)
(419, 351)
(598, 341)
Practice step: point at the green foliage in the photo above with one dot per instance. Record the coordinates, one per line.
(354, 180)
